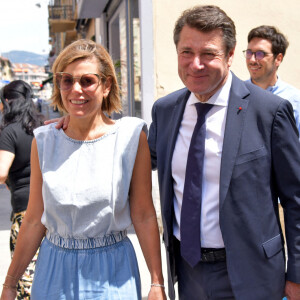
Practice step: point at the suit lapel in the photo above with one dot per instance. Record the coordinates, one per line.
(175, 123)
(236, 113)
(174, 126)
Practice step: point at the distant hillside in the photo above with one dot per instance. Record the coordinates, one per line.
(26, 57)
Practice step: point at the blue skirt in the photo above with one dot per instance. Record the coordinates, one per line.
(102, 273)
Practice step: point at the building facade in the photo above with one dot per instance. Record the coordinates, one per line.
(139, 36)
(32, 74)
(6, 71)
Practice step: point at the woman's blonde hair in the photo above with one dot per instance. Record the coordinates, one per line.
(87, 49)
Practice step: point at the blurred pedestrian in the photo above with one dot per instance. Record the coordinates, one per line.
(19, 119)
(51, 59)
(40, 104)
(88, 184)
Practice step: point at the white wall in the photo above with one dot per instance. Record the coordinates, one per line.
(246, 15)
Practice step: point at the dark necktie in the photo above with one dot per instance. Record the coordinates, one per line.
(192, 193)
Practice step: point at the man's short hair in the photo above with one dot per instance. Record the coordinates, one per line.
(207, 18)
(278, 40)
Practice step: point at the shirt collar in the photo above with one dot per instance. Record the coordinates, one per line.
(220, 97)
(272, 88)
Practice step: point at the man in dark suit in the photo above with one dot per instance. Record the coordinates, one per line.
(221, 225)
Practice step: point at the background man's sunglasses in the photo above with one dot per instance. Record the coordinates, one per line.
(258, 54)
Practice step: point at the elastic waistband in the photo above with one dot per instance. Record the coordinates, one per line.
(90, 243)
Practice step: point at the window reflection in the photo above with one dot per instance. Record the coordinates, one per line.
(125, 51)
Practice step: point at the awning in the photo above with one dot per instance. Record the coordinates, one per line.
(3, 81)
(89, 9)
(49, 79)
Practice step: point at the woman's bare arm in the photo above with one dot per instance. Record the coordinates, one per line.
(143, 217)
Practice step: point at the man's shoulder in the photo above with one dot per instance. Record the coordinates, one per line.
(287, 91)
(172, 98)
(262, 100)
(287, 86)
(246, 89)
(258, 91)
(253, 88)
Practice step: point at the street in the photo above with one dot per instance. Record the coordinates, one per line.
(48, 111)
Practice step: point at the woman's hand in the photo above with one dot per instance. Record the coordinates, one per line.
(8, 294)
(292, 290)
(62, 122)
(157, 293)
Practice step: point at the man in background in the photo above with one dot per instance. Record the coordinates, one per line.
(264, 54)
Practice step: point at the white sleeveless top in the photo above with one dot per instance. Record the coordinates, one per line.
(86, 183)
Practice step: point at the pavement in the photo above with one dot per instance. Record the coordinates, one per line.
(5, 210)
(48, 111)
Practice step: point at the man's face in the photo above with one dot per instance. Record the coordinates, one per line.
(202, 62)
(264, 70)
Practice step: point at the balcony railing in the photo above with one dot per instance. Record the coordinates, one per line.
(60, 2)
(61, 12)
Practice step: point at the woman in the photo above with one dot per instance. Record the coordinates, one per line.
(89, 182)
(19, 119)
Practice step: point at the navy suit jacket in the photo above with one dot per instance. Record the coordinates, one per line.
(260, 163)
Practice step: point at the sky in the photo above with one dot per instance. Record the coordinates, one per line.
(24, 26)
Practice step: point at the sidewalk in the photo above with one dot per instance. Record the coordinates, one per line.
(144, 273)
(48, 112)
(4, 232)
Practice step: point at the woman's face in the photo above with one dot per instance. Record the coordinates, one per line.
(84, 97)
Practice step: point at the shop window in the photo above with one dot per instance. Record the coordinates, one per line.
(124, 47)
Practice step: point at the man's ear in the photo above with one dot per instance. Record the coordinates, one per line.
(278, 59)
(230, 57)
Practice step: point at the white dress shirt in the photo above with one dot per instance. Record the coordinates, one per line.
(211, 236)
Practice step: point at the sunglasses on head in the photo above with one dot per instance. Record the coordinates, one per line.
(258, 54)
(88, 82)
